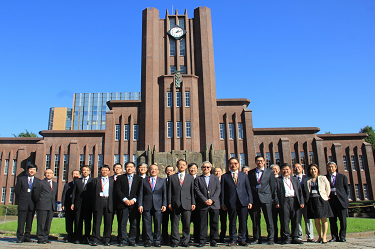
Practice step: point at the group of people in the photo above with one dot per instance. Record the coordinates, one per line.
(210, 198)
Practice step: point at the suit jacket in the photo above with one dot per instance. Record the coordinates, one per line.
(342, 189)
(230, 192)
(304, 179)
(122, 190)
(280, 191)
(83, 196)
(97, 187)
(149, 199)
(181, 196)
(323, 187)
(266, 192)
(66, 197)
(23, 197)
(44, 197)
(203, 193)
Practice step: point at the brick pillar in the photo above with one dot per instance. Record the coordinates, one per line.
(285, 150)
(368, 158)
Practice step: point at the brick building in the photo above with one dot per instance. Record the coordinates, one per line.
(179, 116)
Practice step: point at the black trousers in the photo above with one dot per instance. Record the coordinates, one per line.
(83, 214)
(165, 225)
(338, 212)
(288, 213)
(255, 217)
(24, 217)
(69, 222)
(117, 212)
(223, 223)
(44, 219)
(214, 225)
(131, 215)
(275, 217)
(195, 219)
(147, 224)
(241, 212)
(98, 215)
(185, 219)
(140, 217)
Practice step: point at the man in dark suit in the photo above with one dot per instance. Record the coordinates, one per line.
(44, 195)
(169, 170)
(207, 189)
(309, 228)
(103, 206)
(236, 197)
(275, 211)
(117, 169)
(26, 209)
(194, 217)
(223, 214)
(289, 199)
(152, 202)
(181, 202)
(339, 202)
(82, 204)
(262, 182)
(142, 169)
(127, 190)
(66, 203)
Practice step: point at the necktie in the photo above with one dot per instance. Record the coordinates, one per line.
(152, 183)
(333, 180)
(50, 183)
(84, 182)
(235, 177)
(130, 179)
(30, 183)
(181, 179)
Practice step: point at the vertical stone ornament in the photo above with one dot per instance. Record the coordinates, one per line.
(177, 79)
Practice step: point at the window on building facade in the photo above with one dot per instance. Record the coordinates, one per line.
(222, 131)
(183, 47)
(268, 159)
(188, 128)
(11, 195)
(126, 132)
(14, 168)
(365, 189)
(169, 99)
(277, 158)
(357, 192)
(173, 69)
(259, 154)
(311, 157)
(231, 131)
(169, 129)
(81, 161)
(66, 167)
(57, 165)
(178, 129)
(135, 159)
(361, 162)
(302, 158)
(116, 159)
(3, 193)
(117, 132)
(126, 158)
(187, 99)
(100, 163)
(345, 159)
(183, 69)
(293, 155)
(181, 22)
(330, 159)
(242, 159)
(178, 99)
(135, 135)
(354, 165)
(48, 161)
(350, 193)
(232, 155)
(172, 49)
(240, 131)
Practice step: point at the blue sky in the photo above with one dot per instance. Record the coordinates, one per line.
(301, 63)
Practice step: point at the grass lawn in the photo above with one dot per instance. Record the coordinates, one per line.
(58, 226)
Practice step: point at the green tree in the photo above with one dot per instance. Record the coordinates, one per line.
(371, 135)
(25, 134)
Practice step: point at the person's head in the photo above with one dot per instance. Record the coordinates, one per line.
(297, 169)
(246, 169)
(218, 172)
(193, 168)
(129, 168)
(286, 169)
(233, 164)
(75, 174)
(142, 169)
(154, 170)
(259, 161)
(331, 167)
(48, 173)
(206, 167)
(313, 170)
(275, 168)
(117, 169)
(32, 169)
(181, 165)
(169, 170)
(86, 170)
(104, 170)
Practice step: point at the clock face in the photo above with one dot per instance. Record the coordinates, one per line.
(176, 32)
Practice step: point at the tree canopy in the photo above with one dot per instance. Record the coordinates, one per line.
(371, 135)
(25, 134)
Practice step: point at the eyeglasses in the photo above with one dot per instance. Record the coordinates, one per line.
(206, 167)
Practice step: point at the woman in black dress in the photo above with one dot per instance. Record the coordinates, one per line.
(317, 190)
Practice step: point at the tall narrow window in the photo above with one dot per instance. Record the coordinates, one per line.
(172, 22)
(48, 161)
(173, 69)
(135, 159)
(126, 158)
(330, 159)
(178, 129)
(232, 155)
(91, 160)
(117, 132)
(14, 168)
(357, 192)
(66, 167)
(361, 162)
(135, 136)
(242, 159)
(277, 158)
(268, 159)
(231, 131)
(350, 193)
(169, 99)
(81, 161)
(11, 195)
(311, 157)
(178, 99)
(188, 129)
(3, 193)
(183, 47)
(116, 159)
(100, 163)
(354, 165)
(183, 69)
(240, 131)
(293, 155)
(169, 129)
(181, 22)
(57, 165)
(365, 189)
(222, 132)
(302, 158)
(172, 48)
(187, 99)
(126, 132)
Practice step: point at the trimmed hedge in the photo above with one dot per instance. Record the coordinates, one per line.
(8, 210)
(362, 207)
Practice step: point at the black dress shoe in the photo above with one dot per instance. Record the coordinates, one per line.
(132, 244)
(342, 240)
(77, 242)
(106, 243)
(201, 245)
(222, 240)
(232, 243)
(48, 241)
(27, 240)
(213, 243)
(121, 244)
(256, 242)
(242, 243)
(297, 241)
(19, 241)
(41, 242)
(332, 240)
(270, 242)
(147, 244)
(157, 245)
(185, 244)
(94, 243)
(174, 245)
